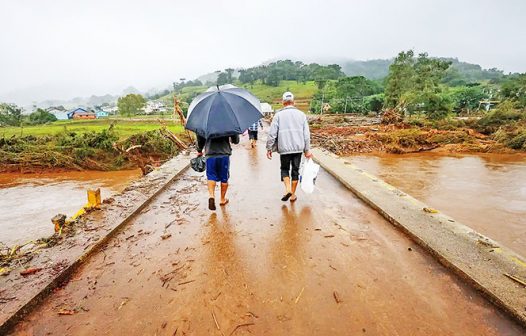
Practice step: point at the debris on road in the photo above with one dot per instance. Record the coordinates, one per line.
(336, 297)
(514, 278)
(30, 271)
(430, 210)
(299, 295)
(66, 312)
(240, 326)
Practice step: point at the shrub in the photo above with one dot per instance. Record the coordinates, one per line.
(504, 114)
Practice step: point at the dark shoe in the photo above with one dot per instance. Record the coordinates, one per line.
(286, 197)
(211, 204)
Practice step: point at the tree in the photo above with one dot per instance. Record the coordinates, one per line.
(375, 102)
(400, 78)
(130, 104)
(514, 88)
(429, 72)
(357, 86)
(414, 84)
(466, 98)
(10, 114)
(222, 78)
(229, 73)
(41, 116)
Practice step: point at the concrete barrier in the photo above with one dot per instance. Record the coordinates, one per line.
(491, 268)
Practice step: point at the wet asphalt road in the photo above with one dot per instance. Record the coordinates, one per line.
(326, 265)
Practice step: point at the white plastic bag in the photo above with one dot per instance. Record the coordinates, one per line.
(310, 171)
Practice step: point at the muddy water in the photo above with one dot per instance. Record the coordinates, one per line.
(28, 201)
(486, 192)
(325, 265)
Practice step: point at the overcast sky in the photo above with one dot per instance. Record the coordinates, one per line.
(65, 48)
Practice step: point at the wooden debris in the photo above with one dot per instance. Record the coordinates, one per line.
(123, 303)
(172, 137)
(166, 236)
(217, 323)
(240, 326)
(514, 278)
(30, 271)
(66, 312)
(336, 297)
(299, 295)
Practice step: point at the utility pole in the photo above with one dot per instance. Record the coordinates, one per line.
(321, 106)
(345, 110)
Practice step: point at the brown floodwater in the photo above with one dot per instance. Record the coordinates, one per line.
(324, 265)
(29, 201)
(486, 191)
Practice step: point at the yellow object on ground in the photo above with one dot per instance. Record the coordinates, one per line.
(94, 200)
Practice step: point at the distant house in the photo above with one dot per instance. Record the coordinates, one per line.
(81, 113)
(266, 109)
(59, 112)
(99, 113)
(110, 109)
(153, 107)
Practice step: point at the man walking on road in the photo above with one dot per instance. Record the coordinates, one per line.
(289, 135)
(218, 151)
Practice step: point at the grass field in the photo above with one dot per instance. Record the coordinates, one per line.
(272, 94)
(265, 93)
(124, 128)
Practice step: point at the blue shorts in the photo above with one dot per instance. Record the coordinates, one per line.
(217, 169)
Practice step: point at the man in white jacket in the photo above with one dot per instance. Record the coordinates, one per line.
(289, 135)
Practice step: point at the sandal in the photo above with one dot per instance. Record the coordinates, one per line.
(211, 204)
(286, 197)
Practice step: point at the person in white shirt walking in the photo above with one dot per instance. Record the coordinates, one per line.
(289, 135)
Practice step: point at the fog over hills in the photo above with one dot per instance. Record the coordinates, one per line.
(63, 49)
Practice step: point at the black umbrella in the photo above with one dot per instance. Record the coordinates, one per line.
(223, 111)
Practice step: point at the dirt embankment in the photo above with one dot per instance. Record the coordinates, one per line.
(346, 134)
(87, 151)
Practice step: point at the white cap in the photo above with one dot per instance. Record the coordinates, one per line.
(288, 96)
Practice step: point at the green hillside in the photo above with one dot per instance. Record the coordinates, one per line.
(266, 93)
(303, 92)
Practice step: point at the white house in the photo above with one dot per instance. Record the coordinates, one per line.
(59, 113)
(153, 107)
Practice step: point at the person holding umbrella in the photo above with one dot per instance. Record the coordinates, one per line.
(218, 151)
(289, 135)
(218, 116)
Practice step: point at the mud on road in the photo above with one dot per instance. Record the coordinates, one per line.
(326, 265)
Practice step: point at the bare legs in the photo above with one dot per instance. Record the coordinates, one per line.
(294, 186)
(211, 194)
(224, 188)
(211, 188)
(286, 182)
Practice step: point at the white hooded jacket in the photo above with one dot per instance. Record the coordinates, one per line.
(290, 129)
